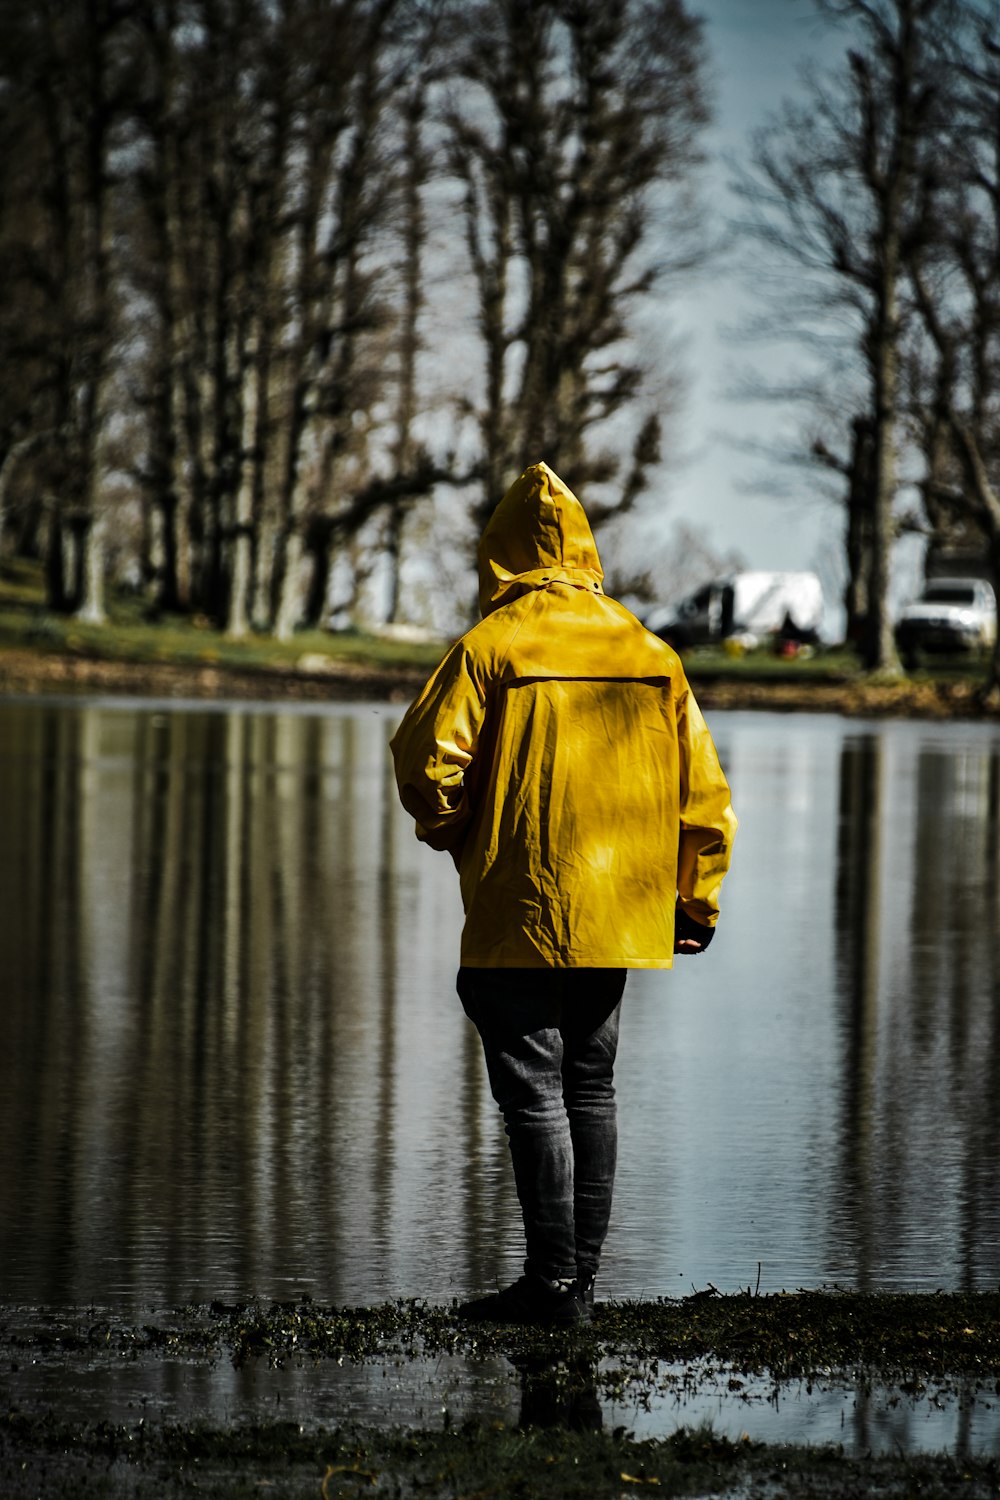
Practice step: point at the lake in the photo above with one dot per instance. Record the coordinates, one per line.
(232, 1061)
(233, 1065)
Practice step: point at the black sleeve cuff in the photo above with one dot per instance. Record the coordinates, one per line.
(687, 927)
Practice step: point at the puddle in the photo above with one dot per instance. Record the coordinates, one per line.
(435, 1392)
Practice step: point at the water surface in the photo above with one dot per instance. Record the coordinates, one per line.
(232, 1061)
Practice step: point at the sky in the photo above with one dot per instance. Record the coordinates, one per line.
(756, 50)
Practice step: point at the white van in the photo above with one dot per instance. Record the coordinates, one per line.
(748, 605)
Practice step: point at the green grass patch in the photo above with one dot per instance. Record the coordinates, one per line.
(834, 664)
(131, 635)
(823, 664)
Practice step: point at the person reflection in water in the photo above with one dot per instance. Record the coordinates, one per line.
(558, 755)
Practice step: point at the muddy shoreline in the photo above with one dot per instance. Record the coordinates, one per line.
(558, 1440)
(26, 673)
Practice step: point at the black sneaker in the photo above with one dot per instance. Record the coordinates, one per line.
(585, 1290)
(530, 1300)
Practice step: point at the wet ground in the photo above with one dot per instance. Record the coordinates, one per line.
(890, 1392)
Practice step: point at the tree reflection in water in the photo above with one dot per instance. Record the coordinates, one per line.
(232, 1060)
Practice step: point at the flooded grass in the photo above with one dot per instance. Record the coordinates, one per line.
(561, 1447)
(788, 1335)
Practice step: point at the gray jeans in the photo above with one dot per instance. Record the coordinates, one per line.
(550, 1038)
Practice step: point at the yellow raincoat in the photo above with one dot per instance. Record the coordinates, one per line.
(559, 755)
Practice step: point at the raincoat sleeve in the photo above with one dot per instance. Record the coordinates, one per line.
(707, 820)
(434, 747)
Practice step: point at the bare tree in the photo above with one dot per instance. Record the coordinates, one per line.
(267, 199)
(214, 234)
(344, 190)
(65, 69)
(834, 193)
(569, 119)
(955, 272)
(407, 452)
(370, 460)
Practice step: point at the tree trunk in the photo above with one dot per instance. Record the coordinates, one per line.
(860, 488)
(414, 238)
(91, 564)
(880, 647)
(265, 602)
(15, 455)
(289, 611)
(95, 252)
(240, 581)
(241, 551)
(322, 552)
(393, 557)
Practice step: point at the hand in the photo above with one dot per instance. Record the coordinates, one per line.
(690, 936)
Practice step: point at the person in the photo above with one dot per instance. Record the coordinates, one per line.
(558, 755)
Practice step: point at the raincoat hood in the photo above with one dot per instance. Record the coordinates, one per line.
(538, 534)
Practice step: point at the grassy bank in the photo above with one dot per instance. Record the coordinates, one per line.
(41, 652)
(945, 1345)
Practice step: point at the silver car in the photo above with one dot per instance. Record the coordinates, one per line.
(951, 614)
